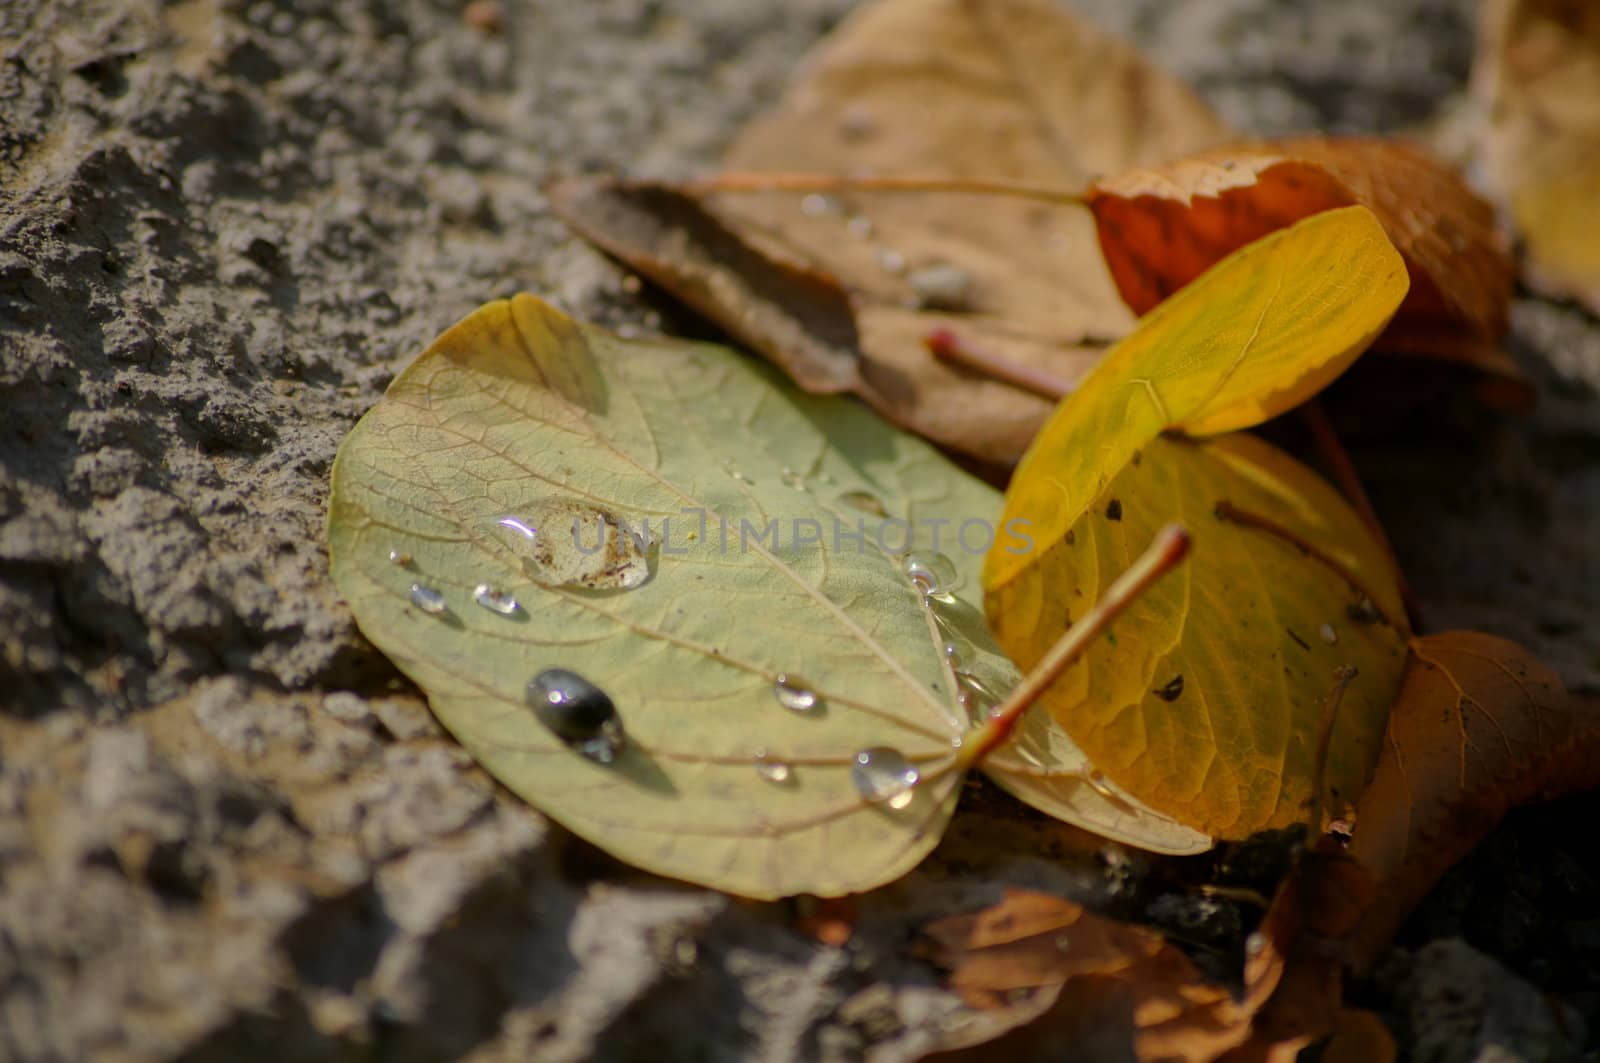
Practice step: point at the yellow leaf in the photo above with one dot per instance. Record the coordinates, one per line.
(1207, 700)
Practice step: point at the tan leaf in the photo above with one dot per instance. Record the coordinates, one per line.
(998, 89)
(1537, 74)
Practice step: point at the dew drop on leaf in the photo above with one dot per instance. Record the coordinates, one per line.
(567, 543)
(400, 557)
(818, 206)
(794, 479)
(865, 501)
(1329, 635)
(935, 575)
(427, 599)
(578, 712)
(772, 768)
(883, 775)
(495, 600)
(794, 693)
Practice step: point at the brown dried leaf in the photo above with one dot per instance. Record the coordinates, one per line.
(1537, 74)
(1479, 727)
(1120, 984)
(1160, 228)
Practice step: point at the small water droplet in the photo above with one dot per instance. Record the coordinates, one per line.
(865, 501)
(935, 575)
(942, 286)
(580, 713)
(891, 261)
(1063, 943)
(1329, 635)
(794, 693)
(771, 768)
(818, 206)
(400, 557)
(1172, 691)
(796, 480)
(955, 651)
(859, 226)
(495, 600)
(882, 774)
(1255, 943)
(733, 470)
(1100, 785)
(427, 599)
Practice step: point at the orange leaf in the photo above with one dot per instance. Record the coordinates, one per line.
(1479, 727)
(1160, 228)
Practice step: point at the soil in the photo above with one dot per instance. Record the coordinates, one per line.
(230, 830)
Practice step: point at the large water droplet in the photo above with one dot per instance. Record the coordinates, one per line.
(568, 543)
(935, 575)
(580, 713)
(495, 600)
(428, 599)
(865, 501)
(883, 775)
(771, 768)
(794, 693)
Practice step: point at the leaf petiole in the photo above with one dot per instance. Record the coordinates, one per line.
(744, 181)
(1170, 546)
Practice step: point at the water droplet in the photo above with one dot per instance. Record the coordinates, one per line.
(1063, 943)
(891, 261)
(935, 575)
(400, 557)
(796, 480)
(818, 206)
(568, 543)
(495, 600)
(859, 226)
(580, 713)
(427, 599)
(942, 286)
(1329, 635)
(865, 501)
(1101, 785)
(883, 775)
(1364, 612)
(1255, 943)
(733, 471)
(771, 768)
(794, 693)
(953, 653)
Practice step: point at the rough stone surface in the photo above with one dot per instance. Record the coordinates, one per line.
(228, 829)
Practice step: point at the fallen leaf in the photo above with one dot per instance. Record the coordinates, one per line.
(1208, 701)
(1537, 76)
(1018, 89)
(1479, 727)
(763, 639)
(1115, 984)
(1161, 228)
